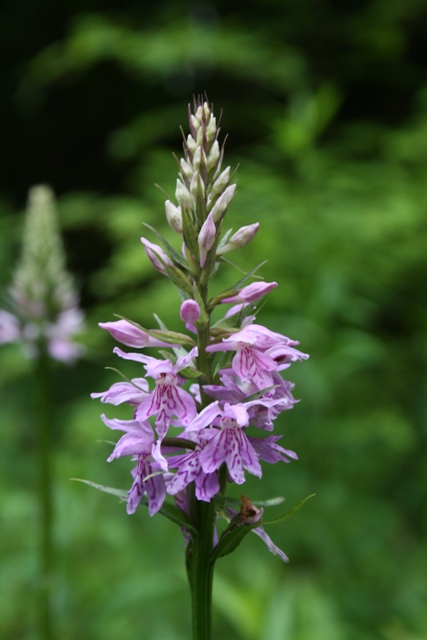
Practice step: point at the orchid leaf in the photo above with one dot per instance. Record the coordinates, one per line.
(288, 513)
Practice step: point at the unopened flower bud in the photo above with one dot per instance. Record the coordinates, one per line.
(199, 114)
(191, 144)
(207, 110)
(183, 195)
(199, 139)
(242, 237)
(220, 184)
(206, 238)
(220, 206)
(199, 159)
(251, 293)
(157, 256)
(129, 334)
(197, 186)
(213, 156)
(194, 121)
(173, 216)
(211, 129)
(186, 169)
(190, 311)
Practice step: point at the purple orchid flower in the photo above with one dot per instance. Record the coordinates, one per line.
(148, 474)
(229, 443)
(168, 399)
(253, 362)
(189, 469)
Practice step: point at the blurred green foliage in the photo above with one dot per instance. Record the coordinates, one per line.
(325, 107)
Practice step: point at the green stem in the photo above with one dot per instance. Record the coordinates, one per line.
(201, 571)
(45, 494)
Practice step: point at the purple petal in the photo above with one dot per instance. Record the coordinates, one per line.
(132, 392)
(131, 444)
(260, 532)
(154, 486)
(9, 327)
(138, 357)
(271, 452)
(205, 417)
(254, 366)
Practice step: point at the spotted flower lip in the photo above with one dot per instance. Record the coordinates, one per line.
(148, 474)
(148, 480)
(189, 469)
(229, 443)
(168, 402)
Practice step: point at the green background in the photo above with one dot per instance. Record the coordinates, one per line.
(325, 106)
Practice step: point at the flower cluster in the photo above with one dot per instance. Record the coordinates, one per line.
(44, 303)
(199, 418)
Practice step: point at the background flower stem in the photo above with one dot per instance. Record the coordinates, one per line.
(44, 413)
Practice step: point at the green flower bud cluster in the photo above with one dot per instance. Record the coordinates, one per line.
(41, 286)
(45, 314)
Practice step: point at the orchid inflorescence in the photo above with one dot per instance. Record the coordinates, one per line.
(192, 408)
(45, 313)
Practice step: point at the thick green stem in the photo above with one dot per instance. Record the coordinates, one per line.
(45, 495)
(201, 572)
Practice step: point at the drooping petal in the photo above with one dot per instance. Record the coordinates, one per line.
(260, 532)
(284, 354)
(130, 444)
(269, 451)
(232, 447)
(129, 426)
(205, 417)
(133, 392)
(138, 437)
(137, 357)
